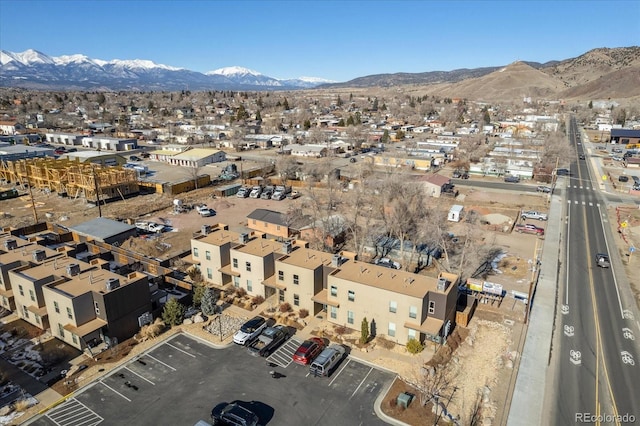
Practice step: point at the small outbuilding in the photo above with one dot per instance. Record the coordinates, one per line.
(455, 213)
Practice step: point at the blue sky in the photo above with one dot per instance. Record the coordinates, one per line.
(337, 40)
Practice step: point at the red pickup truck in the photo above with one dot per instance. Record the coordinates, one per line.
(528, 228)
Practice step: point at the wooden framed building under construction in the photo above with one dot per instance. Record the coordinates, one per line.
(71, 178)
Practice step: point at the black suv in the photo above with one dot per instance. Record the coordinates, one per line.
(233, 414)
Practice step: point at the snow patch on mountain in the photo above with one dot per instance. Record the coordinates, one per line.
(233, 71)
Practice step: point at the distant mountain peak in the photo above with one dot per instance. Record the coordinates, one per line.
(233, 71)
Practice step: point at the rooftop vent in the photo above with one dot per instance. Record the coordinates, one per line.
(112, 284)
(73, 269)
(336, 260)
(205, 229)
(287, 246)
(244, 238)
(10, 244)
(39, 255)
(442, 284)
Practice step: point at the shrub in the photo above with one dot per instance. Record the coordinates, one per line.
(414, 346)
(22, 405)
(340, 330)
(393, 403)
(364, 331)
(257, 300)
(285, 307)
(303, 313)
(241, 292)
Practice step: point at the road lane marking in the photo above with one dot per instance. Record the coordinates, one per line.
(156, 359)
(341, 370)
(143, 378)
(178, 349)
(615, 282)
(112, 389)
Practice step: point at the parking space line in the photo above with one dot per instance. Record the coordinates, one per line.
(156, 359)
(283, 356)
(115, 391)
(74, 408)
(178, 349)
(343, 367)
(365, 378)
(143, 378)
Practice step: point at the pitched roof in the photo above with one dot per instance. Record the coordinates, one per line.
(436, 179)
(268, 216)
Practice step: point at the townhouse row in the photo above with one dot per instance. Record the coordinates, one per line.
(398, 304)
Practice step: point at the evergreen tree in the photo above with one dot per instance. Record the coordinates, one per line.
(590, 104)
(307, 124)
(487, 117)
(208, 304)
(358, 118)
(350, 121)
(285, 104)
(258, 116)
(364, 331)
(385, 137)
(341, 122)
(375, 105)
(173, 312)
(198, 291)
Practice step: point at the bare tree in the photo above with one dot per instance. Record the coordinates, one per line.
(433, 383)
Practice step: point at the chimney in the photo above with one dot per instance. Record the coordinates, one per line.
(287, 247)
(336, 260)
(39, 255)
(10, 244)
(244, 238)
(73, 269)
(205, 229)
(112, 284)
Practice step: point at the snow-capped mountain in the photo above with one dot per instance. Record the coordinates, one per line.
(35, 70)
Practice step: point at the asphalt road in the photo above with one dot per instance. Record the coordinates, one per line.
(596, 359)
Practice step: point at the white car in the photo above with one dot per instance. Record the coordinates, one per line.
(249, 331)
(534, 215)
(388, 263)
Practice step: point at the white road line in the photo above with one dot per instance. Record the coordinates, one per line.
(365, 378)
(566, 289)
(590, 204)
(178, 349)
(343, 367)
(584, 203)
(143, 378)
(115, 391)
(156, 359)
(615, 282)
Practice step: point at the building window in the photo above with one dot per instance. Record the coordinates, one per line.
(393, 306)
(25, 312)
(334, 291)
(296, 279)
(195, 252)
(281, 296)
(432, 308)
(56, 307)
(74, 338)
(248, 266)
(69, 313)
(352, 296)
(236, 282)
(334, 312)
(254, 221)
(278, 227)
(207, 255)
(235, 263)
(61, 330)
(280, 275)
(296, 300)
(413, 312)
(392, 329)
(209, 273)
(411, 333)
(32, 296)
(37, 317)
(249, 285)
(350, 317)
(21, 290)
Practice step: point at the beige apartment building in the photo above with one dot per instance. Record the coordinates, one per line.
(398, 304)
(11, 256)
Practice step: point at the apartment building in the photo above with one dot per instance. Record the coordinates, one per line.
(211, 251)
(398, 304)
(13, 253)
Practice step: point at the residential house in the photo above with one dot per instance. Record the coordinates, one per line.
(435, 184)
(269, 222)
(197, 157)
(11, 127)
(109, 144)
(13, 251)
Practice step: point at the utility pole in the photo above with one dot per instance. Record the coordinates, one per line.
(534, 270)
(33, 203)
(97, 189)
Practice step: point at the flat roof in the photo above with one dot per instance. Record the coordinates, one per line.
(197, 154)
(259, 247)
(307, 258)
(394, 280)
(89, 154)
(219, 237)
(101, 228)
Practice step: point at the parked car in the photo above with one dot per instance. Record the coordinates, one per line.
(233, 414)
(249, 330)
(243, 192)
(623, 178)
(528, 228)
(512, 179)
(59, 151)
(602, 260)
(268, 340)
(617, 150)
(135, 158)
(563, 172)
(255, 192)
(531, 214)
(542, 188)
(308, 351)
(388, 263)
(293, 195)
(145, 155)
(460, 174)
(327, 360)
(267, 193)
(206, 212)
(72, 150)
(581, 156)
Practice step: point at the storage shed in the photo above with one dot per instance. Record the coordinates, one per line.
(455, 213)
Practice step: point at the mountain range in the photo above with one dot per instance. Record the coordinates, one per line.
(599, 73)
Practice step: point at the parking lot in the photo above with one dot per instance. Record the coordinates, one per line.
(179, 381)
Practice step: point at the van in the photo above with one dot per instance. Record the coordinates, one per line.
(327, 360)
